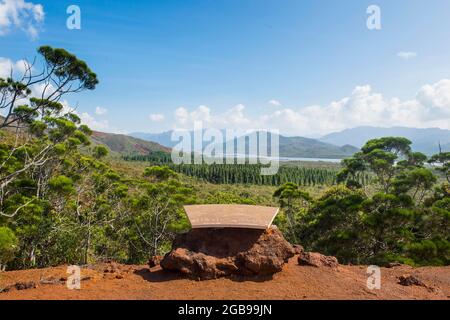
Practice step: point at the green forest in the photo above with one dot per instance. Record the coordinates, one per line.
(250, 174)
(64, 200)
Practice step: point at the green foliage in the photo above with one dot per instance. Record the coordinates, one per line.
(251, 174)
(293, 201)
(157, 215)
(61, 184)
(58, 205)
(100, 151)
(8, 245)
(68, 66)
(402, 221)
(159, 173)
(443, 161)
(331, 225)
(61, 69)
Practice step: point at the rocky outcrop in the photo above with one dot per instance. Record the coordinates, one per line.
(19, 286)
(410, 280)
(317, 260)
(216, 252)
(298, 249)
(154, 261)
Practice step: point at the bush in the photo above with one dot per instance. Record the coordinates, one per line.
(8, 244)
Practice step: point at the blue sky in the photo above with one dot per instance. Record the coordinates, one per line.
(304, 67)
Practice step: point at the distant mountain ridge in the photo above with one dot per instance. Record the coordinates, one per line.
(126, 145)
(290, 147)
(423, 140)
(163, 138)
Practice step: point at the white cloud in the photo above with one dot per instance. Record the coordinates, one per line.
(86, 118)
(93, 123)
(156, 117)
(7, 65)
(406, 55)
(101, 111)
(430, 107)
(23, 15)
(232, 118)
(275, 103)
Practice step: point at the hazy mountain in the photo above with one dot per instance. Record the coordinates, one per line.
(293, 147)
(424, 140)
(162, 138)
(299, 147)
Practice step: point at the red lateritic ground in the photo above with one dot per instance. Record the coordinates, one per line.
(116, 281)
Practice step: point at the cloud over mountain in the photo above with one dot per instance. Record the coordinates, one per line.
(430, 107)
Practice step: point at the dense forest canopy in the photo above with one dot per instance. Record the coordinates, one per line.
(64, 201)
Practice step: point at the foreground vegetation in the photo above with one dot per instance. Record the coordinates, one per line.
(403, 216)
(63, 201)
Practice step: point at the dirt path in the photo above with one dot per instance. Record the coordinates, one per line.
(115, 281)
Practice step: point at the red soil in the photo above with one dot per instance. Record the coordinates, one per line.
(115, 281)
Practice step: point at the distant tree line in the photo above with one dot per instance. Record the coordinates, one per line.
(249, 173)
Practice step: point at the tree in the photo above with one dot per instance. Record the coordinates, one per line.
(42, 137)
(8, 246)
(159, 173)
(398, 220)
(157, 213)
(61, 73)
(44, 131)
(292, 201)
(442, 163)
(333, 224)
(100, 152)
(397, 169)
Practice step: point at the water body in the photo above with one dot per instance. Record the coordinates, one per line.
(286, 159)
(311, 159)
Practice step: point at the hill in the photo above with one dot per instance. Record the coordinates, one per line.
(290, 147)
(299, 147)
(423, 140)
(126, 145)
(163, 138)
(117, 143)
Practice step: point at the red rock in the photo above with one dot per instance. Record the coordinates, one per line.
(154, 261)
(298, 248)
(410, 280)
(317, 260)
(25, 285)
(216, 252)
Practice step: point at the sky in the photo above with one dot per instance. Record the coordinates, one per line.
(302, 67)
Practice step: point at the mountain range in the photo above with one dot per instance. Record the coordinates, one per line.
(335, 145)
(291, 147)
(423, 140)
(340, 144)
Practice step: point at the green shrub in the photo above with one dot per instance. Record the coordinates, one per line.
(8, 244)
